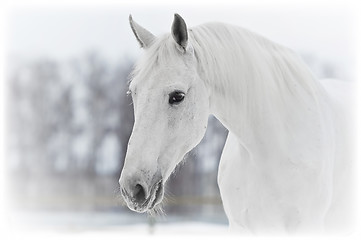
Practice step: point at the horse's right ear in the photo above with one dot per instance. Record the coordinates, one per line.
(144, 37)
(179, 31)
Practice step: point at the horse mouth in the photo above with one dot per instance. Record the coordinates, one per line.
(155, 197)
(158, 195)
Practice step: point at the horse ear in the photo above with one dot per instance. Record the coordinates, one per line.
(179, 31)
(144, 37)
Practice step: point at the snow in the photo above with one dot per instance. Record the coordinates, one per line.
(133, 231)
(100, 225)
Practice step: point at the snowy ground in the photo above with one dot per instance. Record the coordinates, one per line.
(132, 231)
(90, 225)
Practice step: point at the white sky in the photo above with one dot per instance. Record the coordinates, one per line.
(323, 30)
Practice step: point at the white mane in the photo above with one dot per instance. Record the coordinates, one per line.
(269, 75)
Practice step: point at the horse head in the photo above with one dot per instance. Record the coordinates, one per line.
(171, 107)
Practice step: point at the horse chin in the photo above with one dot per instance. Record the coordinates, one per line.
(158, 195)
(153, 200)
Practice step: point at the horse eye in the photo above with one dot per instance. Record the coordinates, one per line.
(176, 97)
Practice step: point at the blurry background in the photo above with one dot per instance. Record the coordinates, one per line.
(69, 117)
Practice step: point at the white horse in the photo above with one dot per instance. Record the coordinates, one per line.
(285, 164)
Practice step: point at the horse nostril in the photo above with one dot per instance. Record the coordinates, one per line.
(139, 193)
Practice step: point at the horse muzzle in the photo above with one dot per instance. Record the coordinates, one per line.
(139, 198)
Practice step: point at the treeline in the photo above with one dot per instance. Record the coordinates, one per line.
(68, 118)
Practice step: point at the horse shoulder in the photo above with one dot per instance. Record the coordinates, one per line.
(233, 172)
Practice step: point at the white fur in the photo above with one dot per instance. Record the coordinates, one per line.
(287, 136)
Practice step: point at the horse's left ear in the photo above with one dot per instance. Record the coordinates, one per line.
(144, 37)
(179, 31)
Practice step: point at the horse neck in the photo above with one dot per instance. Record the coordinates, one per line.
(260, 91)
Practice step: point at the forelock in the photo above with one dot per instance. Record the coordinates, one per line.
(162, 52)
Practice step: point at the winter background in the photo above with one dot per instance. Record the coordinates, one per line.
(68, 117)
